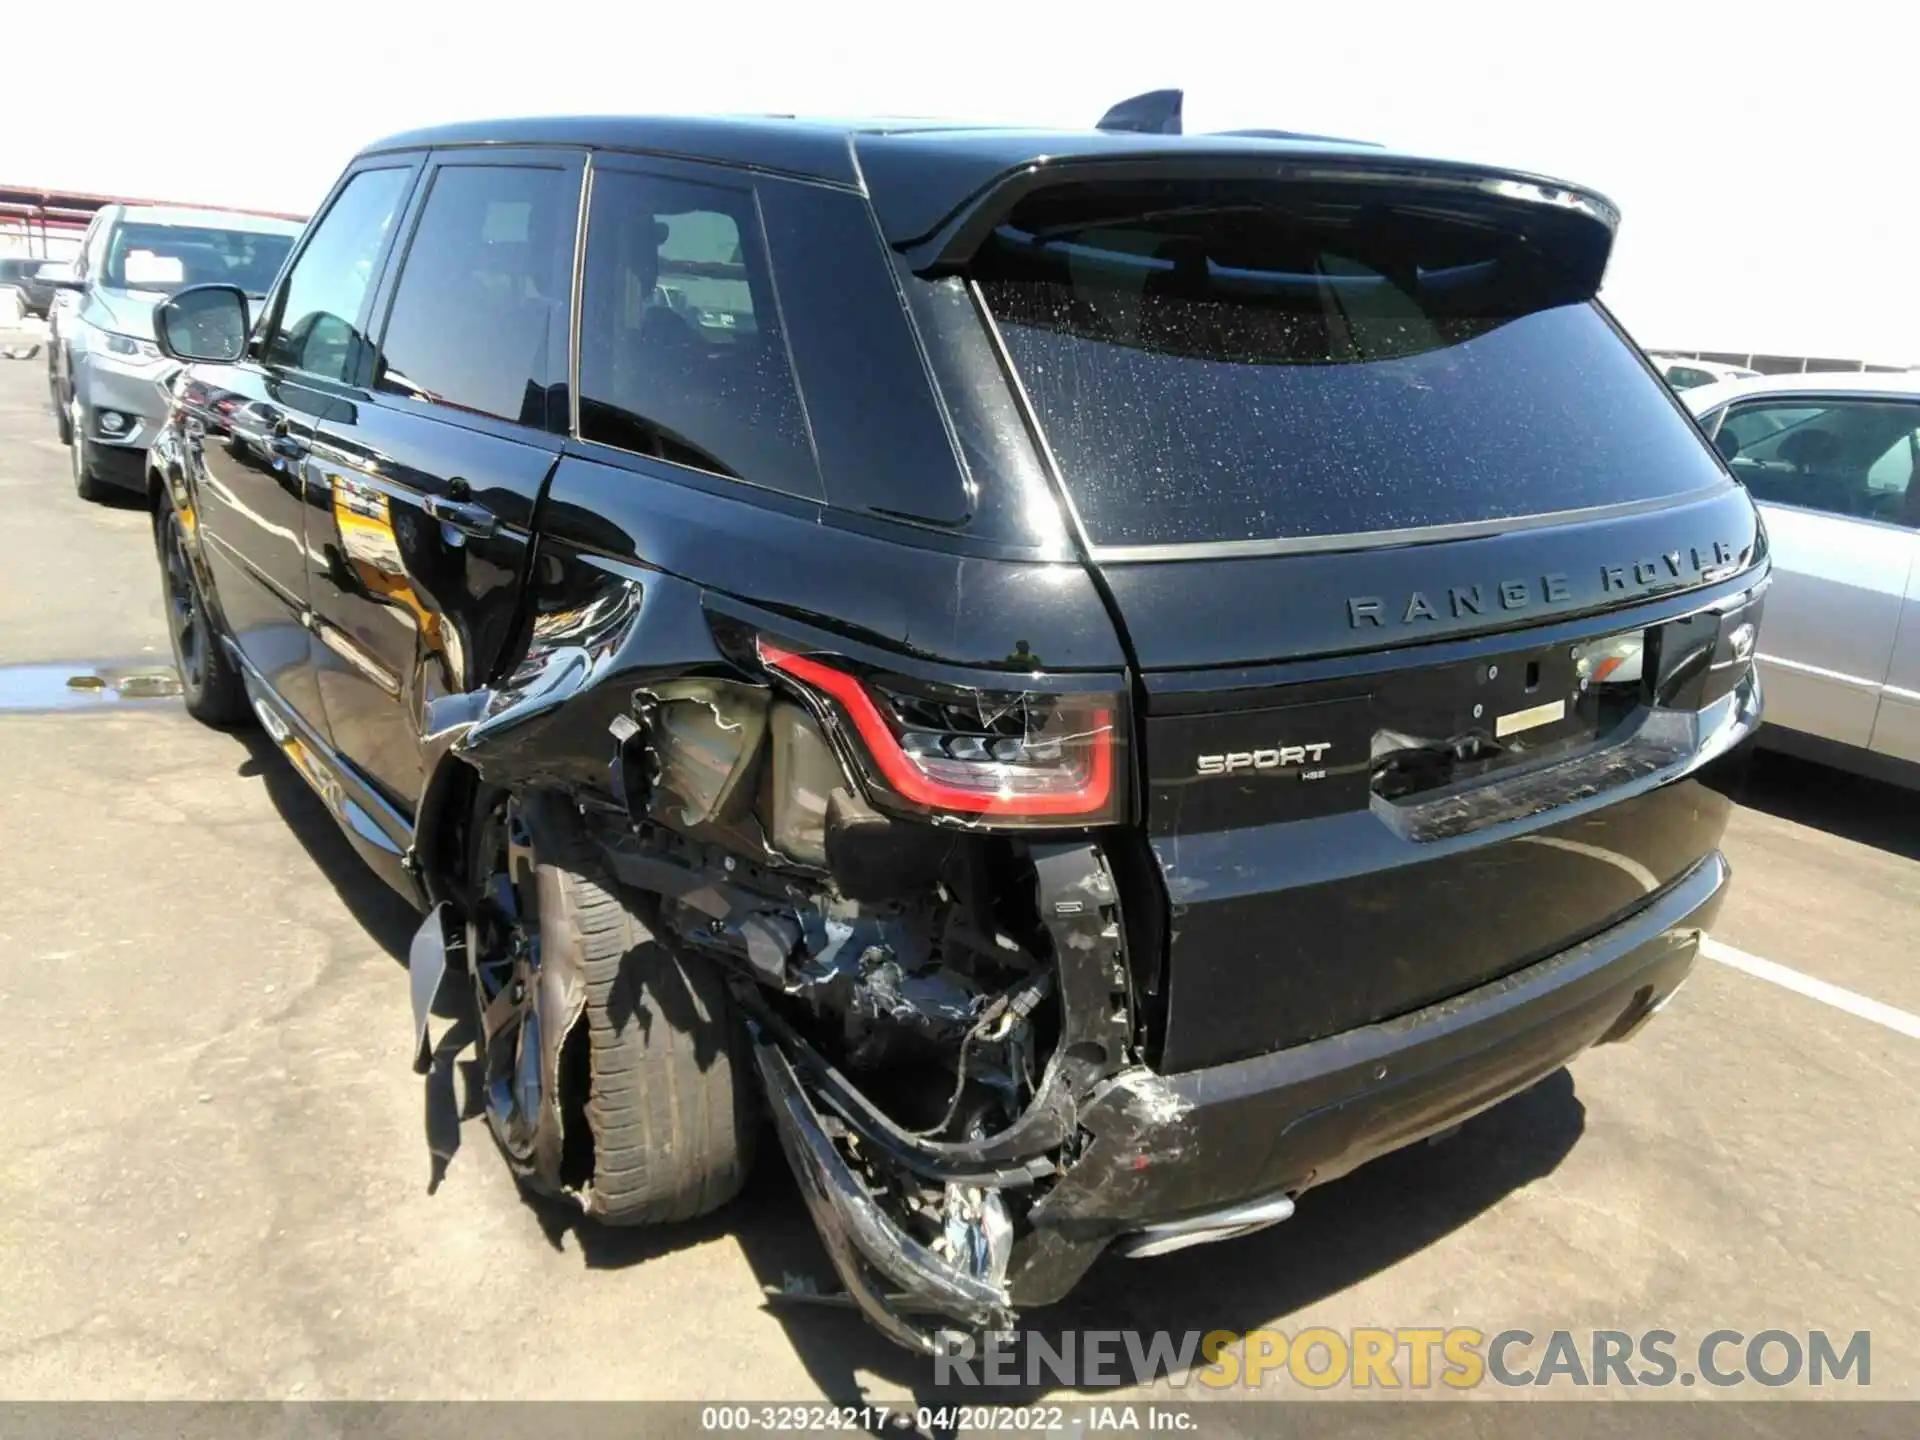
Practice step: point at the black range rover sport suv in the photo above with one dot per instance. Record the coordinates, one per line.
(1103, 678)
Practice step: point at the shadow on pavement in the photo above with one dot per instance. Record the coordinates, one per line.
(385, 916)
(1851, 807)
(1353, 1228)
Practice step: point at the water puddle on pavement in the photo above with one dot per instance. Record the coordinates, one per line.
(71, 686)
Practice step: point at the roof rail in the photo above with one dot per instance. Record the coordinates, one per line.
(1157, 112)
(1297, 135)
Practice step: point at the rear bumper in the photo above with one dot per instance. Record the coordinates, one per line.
(1185, 1147)
(1171, 1147)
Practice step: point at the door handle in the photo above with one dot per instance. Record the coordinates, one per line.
(466, 516)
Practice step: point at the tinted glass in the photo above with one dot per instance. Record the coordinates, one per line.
(1844, 457)
(479, 318)
(681, 356)
(317, 330)
(1261, 366)
(170, 257)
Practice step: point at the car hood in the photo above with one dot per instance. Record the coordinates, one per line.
(126, 312)
(130, 311)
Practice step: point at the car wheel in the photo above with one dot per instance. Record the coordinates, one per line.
(86, 484)
(62, 421)
(612, 1065)
(211, 687)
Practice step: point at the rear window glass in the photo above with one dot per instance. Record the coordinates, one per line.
(1258, 363)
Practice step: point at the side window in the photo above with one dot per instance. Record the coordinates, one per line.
(479, 319)
(319, 312)
(681, 356)
(1844, 457)
(93, 247)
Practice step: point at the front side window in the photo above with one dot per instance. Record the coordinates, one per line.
(1844, 457)
(317, 331)
(1263, 362)
(681, 356)
(479, 319)
(166, 258)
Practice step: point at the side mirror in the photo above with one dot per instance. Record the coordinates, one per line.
(203, 322)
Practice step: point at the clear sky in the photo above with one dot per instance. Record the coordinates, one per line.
(1765, 158)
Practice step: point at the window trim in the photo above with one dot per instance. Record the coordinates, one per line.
(260, 346)
(568, 160)
(1710, 424)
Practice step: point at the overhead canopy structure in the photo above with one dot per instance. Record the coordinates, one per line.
(47, 217)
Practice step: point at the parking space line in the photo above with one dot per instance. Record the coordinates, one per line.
(1850, 1001)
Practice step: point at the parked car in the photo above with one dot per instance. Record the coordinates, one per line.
(1683, 373)
(106, 379)
(42, 287)
(1082, 694)
(23, 274)
(1831, 460)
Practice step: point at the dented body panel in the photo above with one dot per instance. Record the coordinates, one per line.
(1069, 893)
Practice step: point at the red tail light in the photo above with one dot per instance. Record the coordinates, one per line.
(1000, 757)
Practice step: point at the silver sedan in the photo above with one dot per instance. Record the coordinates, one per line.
(1832, 461)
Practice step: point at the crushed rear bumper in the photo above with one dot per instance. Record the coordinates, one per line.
(1167, 1148)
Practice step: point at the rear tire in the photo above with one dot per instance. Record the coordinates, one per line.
(651, 1122)
(212, 689)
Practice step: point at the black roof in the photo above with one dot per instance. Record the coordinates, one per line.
(919, 174)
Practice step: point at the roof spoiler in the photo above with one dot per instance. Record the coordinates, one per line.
(1576, 226)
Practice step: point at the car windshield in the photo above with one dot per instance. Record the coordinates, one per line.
(1253, 366)
(170, 257)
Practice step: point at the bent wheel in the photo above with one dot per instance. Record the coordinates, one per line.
(611, 1066)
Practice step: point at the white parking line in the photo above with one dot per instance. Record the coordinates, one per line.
(1841, 999)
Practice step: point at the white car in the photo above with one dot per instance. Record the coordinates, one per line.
(1832, 461)
(1684, 374)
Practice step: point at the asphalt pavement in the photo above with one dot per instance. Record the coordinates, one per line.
(223, 1179)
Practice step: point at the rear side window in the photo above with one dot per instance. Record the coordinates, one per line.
(1253, 362)
(479, 319)
(681, 355)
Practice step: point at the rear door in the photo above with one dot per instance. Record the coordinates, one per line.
(425, 479)
(1833, 477)
(1408, 543)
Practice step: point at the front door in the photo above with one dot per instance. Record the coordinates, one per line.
(1832, 475)
(424, 481)
(258, 421)
(253, 426)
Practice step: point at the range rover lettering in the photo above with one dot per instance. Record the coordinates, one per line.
(1107, 678)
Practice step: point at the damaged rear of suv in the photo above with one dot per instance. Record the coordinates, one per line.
(1112, 677)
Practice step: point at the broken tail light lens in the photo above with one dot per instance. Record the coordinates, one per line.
(1021, 757)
